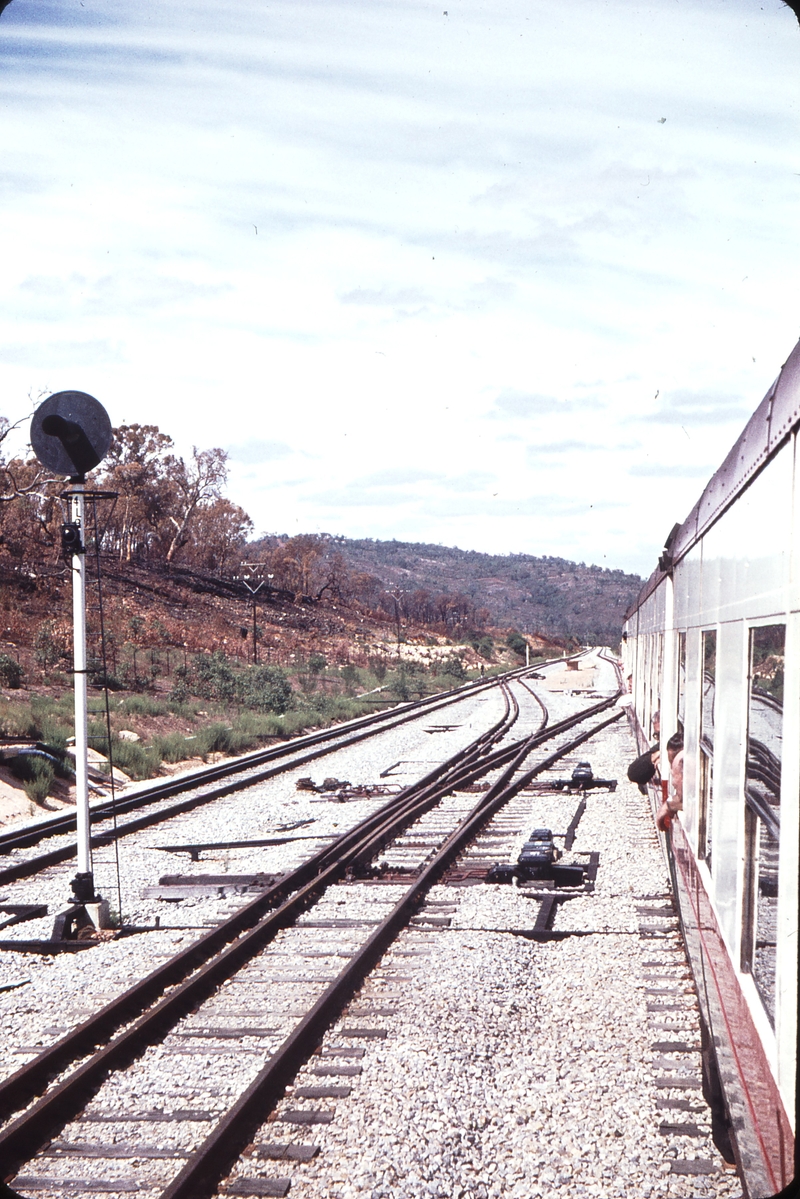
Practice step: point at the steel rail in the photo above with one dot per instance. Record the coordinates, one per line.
(33, 865)
(200, 1177)
(531, 691)
(32, 1078)
(64, 1100)
(516, 752)
(104, 809)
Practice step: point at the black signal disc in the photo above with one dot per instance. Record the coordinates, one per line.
(70, 433)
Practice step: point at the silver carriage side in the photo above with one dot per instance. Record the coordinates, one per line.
(713, 641)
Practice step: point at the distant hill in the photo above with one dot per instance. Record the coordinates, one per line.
(546, 595)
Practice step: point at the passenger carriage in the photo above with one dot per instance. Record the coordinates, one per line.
(713, 642)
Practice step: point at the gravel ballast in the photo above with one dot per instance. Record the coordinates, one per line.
(474, 1061)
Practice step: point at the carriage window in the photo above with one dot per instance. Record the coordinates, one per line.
(704, 806)
(762, 811)
(681, 681)
(709, 683)
(706, 764)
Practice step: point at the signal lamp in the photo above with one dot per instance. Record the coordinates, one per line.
(71, 539)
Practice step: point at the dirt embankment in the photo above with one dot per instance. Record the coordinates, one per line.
(158, 623)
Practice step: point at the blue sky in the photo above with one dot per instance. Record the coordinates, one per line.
(509, 276)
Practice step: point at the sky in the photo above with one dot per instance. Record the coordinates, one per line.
(510, 276)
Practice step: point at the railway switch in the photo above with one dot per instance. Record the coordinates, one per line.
(501, 872)
(538, 855)
(583, 780)
(538, 863)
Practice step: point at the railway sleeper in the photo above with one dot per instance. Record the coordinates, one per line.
(293, 1052)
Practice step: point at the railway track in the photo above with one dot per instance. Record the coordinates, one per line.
(211, 783)
(390, 816)
(160, 1005)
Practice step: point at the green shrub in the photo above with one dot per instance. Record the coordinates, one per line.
(265, 688)
(36, 773)
(175, 747)
(378, 668)
(137, 760)
(214, 738)
(38, 787)
(98, 678)
(399, 685)
(53, 732)
(349, 675)
(453, 668)
(308, 682)
(180, 693)
(517, 643)
(10, 672)
(47, 650)
(16, 720)
(142, 705)
(98, 735)
(64, 763)
(213, 678)
(317, 663)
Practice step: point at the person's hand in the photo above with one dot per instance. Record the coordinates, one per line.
(664, 818)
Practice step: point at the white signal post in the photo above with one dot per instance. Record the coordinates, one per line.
(71, 434)
(78, 564)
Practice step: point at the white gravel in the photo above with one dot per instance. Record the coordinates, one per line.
(58, 992)
(515, 1068)
(510, 1067)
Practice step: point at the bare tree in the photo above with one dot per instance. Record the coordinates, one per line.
(199, 482)
(15, 481)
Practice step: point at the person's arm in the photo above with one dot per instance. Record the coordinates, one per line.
(674, 803)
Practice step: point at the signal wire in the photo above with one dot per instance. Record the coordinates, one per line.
(104, 658)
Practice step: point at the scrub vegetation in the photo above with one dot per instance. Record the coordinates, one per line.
(214, 709)
(209, 643)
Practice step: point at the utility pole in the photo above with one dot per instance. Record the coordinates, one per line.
(254, 579)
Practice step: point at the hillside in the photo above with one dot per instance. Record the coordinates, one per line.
(197, 664)
(550, 596)
(170, 514)
(187, 683)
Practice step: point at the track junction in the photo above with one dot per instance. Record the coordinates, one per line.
(336, 962)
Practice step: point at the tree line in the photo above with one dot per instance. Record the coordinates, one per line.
(167, 508)
(172, 511)
(313, 567)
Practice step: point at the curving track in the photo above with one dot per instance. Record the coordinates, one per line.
(204, 786)
(238, 952)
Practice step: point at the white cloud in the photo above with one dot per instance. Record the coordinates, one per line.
(512, 403)
(406, 264)
(686, 407)
(251, 453)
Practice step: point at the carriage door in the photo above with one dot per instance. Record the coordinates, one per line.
(762, 809)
